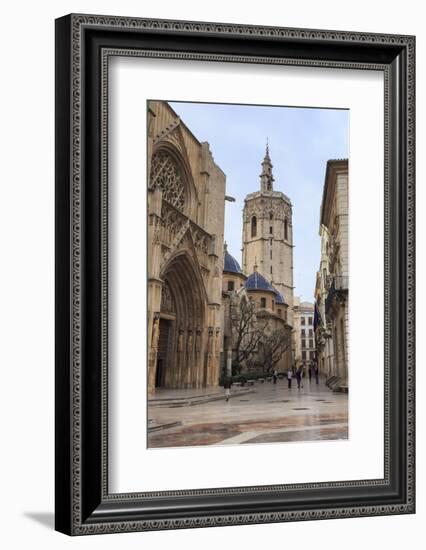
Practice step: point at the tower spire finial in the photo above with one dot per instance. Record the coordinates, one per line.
(266, 177)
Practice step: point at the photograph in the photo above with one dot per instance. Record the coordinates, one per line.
(248, 318)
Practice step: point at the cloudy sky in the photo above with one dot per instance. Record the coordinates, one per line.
(301, 140)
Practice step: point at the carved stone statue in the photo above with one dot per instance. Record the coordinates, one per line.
(189, 342)
(211, 341)
(217, 344)
(180, 341)
(198, 341)
(155, 331)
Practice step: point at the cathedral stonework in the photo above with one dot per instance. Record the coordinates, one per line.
(268, 235)
(186, 194)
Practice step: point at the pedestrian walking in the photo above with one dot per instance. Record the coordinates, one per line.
(299, 379)
(310, 372)
(289, 377)
(227, 385)
(275, 376)
(316, 374)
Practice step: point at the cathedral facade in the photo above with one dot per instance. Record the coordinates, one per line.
(186, 194)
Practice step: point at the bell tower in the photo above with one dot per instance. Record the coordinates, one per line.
(268, 234)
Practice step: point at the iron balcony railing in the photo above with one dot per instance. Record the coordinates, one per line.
(338, 288)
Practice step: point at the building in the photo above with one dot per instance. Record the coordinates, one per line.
(186, 194)
(257, 336)
(304, 338)
(268, 235)
(333, 278)
(322, 329)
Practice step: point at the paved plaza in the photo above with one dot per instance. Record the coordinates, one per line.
(263, 413)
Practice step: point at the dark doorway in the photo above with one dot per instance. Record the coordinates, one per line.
(159, 373)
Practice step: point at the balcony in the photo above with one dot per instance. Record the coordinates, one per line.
(337, 291)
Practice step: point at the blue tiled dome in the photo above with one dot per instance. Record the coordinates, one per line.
(279, 298)
(230, 264)
(256, 281)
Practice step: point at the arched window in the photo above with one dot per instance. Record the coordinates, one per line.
(285, 230)
(254, 226)
(165, 173)
(271, 216)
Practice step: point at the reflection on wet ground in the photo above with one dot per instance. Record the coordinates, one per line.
(272, 414)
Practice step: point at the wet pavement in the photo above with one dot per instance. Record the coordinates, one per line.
(271, 414)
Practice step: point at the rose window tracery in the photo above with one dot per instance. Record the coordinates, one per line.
(166, 174)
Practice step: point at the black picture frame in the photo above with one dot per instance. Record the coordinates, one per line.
(83, 504)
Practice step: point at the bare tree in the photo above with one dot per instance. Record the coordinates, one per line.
(247, 332)
(273, 346)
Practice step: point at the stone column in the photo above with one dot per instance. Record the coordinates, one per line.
(152, 353)
(190, 359)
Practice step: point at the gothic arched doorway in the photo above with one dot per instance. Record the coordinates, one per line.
(180, 356)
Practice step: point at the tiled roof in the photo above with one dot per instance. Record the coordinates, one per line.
(256, 281)
(230, 264)
(279, 300)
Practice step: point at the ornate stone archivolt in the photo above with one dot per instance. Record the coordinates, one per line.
(166, 174)
(167, 301)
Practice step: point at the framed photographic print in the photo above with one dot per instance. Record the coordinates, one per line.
(234, 274)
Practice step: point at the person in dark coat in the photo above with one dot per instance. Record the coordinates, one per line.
(227, 385)
(299, 379)
(316, 374)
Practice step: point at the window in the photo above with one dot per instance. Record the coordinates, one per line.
(285, 229)
(303, 343)
(271, 253)
(303, 333)
(310, 333)
(231, 285)
(271, 270)
(310, 320)
(312, 355)
(279, 312)
(273, 305)
(270, 229)
(254, 226)
(263, 302)
(271, 216)
(311, 343)
(303, 320)
(166, 174)
(303, 354)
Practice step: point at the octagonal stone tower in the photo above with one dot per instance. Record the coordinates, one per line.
(268, 235)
